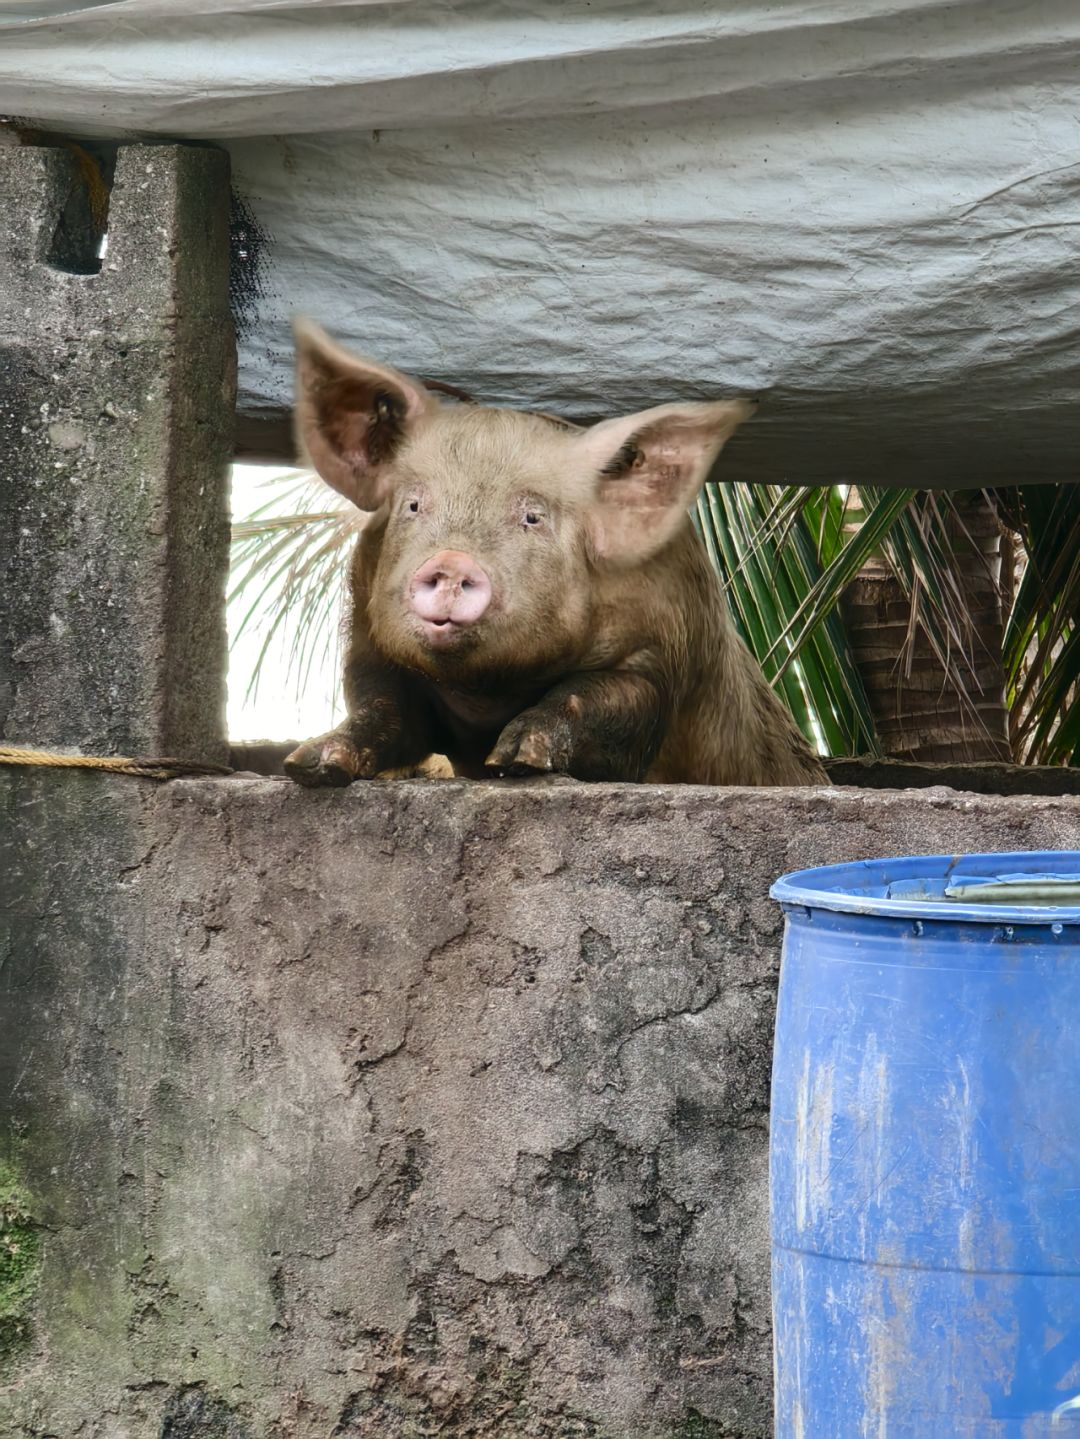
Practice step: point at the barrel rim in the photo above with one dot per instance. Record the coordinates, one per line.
(822, 887)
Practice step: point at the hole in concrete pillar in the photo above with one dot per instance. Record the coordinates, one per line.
(81, 239)
(286, 604)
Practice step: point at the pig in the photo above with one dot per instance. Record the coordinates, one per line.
(529, 596)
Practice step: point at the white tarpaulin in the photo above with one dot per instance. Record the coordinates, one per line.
(867, 212)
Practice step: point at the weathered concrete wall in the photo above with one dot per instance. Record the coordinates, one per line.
(116, 394)
(414, 1109)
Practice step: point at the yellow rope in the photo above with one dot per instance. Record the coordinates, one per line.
(115, 764)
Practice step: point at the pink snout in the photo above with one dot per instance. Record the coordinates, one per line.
(449, 592)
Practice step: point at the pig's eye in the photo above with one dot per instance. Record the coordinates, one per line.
(413, 506)
(532, 516)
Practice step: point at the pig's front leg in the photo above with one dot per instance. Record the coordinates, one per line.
(605, 724)
(385, 729)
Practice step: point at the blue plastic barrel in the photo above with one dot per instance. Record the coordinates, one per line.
(925, 1150)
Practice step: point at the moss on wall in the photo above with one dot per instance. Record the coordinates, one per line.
(20, 1266)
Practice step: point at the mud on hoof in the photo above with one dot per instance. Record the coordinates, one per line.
(527, 746)
(332, 759)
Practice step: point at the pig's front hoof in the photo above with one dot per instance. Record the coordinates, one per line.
(332, 760)
(525, 748)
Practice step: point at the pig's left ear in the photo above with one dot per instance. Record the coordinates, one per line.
(650, 467)
(352, 415)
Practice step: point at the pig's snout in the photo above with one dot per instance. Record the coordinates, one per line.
(449, 592)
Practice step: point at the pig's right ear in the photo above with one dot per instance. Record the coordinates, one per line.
(352, 414)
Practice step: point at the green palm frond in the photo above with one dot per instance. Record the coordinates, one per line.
(288, 568)
(1042, 636)
(920, 551)
(841, 569)
(771, 552)
(794, 622)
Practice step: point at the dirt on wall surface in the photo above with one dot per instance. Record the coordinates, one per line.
(415, 1109)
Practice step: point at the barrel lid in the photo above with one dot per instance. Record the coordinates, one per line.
(1033, 887)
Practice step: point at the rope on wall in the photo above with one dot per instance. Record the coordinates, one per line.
(113, 764)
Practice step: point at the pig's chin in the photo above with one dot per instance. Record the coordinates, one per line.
(441, 635)
(441, 650)
(486, 653)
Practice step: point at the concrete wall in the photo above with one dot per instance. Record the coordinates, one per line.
(415, 1109)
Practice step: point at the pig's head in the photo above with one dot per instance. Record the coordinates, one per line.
(494, 524)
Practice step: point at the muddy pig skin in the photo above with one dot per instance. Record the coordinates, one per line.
(530, 597)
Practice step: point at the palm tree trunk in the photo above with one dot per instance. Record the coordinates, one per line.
(918, 712)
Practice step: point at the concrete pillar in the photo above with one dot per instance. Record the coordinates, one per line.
(117, 387)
